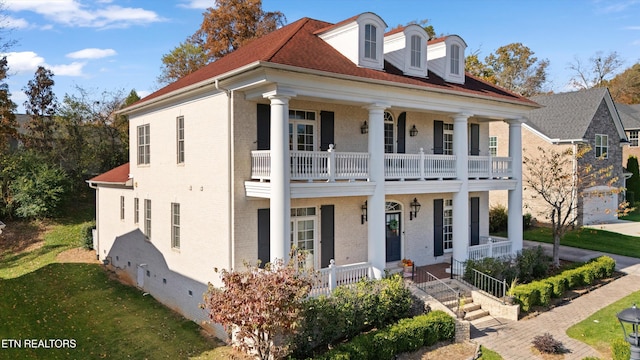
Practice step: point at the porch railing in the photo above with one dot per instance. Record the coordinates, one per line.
(333, 276)
(488, 284)
(437, 288)
(494, 247)
(331, 165)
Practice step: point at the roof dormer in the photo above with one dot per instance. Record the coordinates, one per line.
(367, 31)
(406, 49)
(446, 58)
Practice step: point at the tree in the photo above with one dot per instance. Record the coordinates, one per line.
(551, 177)
(512, 67)
(8, 123)
(625, 87)
(41, 105)
(260, 306)
(596, 71)
(232, 23)
(182, 61)
(633, 183)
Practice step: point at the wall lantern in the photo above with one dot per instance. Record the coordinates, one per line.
(631, 318)
(364, 128)
(413, 131)
(415, 209)
(363, 217)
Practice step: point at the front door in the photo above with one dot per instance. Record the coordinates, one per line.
(393, 231)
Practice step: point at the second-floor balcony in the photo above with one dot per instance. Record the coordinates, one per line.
(353, 166)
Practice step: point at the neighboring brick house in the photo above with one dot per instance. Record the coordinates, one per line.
(566, 121)
(630, 116)
(356, 146)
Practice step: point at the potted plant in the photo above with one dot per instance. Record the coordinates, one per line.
(407, 265)
(511, 293)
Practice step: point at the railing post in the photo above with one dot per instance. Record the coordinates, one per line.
(490, 166)
(490, 241)
(333, 281)
(421, 166)
(331, 166)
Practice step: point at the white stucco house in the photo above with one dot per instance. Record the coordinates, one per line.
(355, 145)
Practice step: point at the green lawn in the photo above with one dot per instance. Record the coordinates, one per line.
(599, 329)
(104, 318)
(592, 239)
(633, 216)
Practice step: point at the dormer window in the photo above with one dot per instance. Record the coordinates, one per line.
(370, 41)
(416, 51)
(455, 59)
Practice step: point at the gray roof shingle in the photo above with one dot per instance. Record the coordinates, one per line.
(630, 116)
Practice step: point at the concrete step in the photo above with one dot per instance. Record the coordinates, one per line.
(469, 307)
(476, 314)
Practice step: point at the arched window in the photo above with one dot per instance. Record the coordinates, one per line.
(388, 133)
(455, 59)
(370, 41)
(416, 51)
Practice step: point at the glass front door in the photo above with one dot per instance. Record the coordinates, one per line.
(393, 232)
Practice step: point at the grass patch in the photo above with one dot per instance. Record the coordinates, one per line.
(488, 354)
(601, 328)
(632, 216)
(31, 245)
(591, 239)
(106, 319)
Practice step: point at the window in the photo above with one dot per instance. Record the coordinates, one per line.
(455, 59)
(370, 41)
(121, 207)
(447, 229)
(633, 138)
(175, 225)
(388, 133)
(147, 218)
(602, 146)
(493, 145)
(303, 233)
(301, 129)
(144, 144)
(416, 51)
(136, 210)
(180, 139)
(447, 136)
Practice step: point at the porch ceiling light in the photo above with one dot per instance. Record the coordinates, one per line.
(364, 128)
(363, 217)
(415, 209)
(631, 317)
(413, 131)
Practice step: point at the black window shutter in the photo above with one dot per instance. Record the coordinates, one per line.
(438, 227)
(264, 127)
(438, 137)
(327, 236)
(475, 221)
(475, 140)
(326, 130)
(264, 236)
(402, 132)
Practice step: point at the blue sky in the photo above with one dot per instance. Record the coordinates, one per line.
(108, 45)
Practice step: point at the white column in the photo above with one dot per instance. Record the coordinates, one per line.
(280, 200)
(461, 219)
(515, 195)
(376, 246)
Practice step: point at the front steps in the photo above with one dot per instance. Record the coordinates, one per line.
(472, 311)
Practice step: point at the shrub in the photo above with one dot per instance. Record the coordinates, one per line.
(498, 219)
(87, 236)
(630, 197)
(547, 344)
(559, 285)
(620, 349)
(532, 264)
(526, 221)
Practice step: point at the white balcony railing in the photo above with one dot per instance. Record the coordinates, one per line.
(333, 276)
(490, 247)
(331, 165)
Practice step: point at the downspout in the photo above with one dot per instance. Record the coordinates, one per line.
(95, 187)
(230, 177)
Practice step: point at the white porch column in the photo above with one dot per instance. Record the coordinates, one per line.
(376, 245)
(515, 196)
(461, 218)
(280, 200)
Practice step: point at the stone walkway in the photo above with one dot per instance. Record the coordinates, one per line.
(512, 340)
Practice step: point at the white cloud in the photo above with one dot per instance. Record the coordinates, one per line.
(73, 69)
(197, 4)
(14, 23)
(74, 13)
(91, 53)
(24, 62)
(632, 28)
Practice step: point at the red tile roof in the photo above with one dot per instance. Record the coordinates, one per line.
(298, 45)
(118, 175)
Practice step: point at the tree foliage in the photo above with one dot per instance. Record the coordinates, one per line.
(8, 123)
(182, 61)
(260, 307)
(596, 71)
(633, 183)
(625, 87)
(549, 174)
(41, 105)
(512, 67)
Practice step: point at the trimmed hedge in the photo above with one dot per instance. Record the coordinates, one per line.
(620, 349)
(405, 336)
(540, 292)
